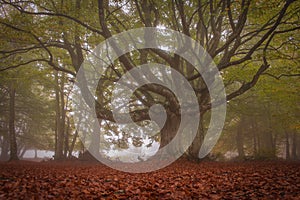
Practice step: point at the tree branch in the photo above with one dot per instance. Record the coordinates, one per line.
(263, 38)
(281, 75)
(22, 10)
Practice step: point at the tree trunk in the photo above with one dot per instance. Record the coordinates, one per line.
(240, 139)
(35, 153)
(274, 143)
(298, 145)
(58, 132)
(55, 138)
(94, 146)
(71, 149)
(266, 145)
(12, 132)
(23, 151)
(5, 147)
(193, 151)
(294, 146)
(254, 137)
(169, 131)
(73, 144)
(66, 150)
(63, 116)
(254, 144)
(287, 145)
(258, 133)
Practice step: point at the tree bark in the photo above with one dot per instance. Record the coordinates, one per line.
(12, 132)
(169, 131)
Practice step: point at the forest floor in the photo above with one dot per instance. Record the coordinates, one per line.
(181, 180)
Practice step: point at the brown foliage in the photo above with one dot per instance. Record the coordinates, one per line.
(181, 180)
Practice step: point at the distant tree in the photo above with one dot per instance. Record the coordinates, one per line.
(12, 128)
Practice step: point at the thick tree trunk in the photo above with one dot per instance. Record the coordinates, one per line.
(169, 131)
(12, 132)
(193, 151)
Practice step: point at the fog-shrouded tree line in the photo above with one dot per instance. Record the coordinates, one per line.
(254, 43)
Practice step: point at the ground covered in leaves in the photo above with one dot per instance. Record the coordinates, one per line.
(181, 180)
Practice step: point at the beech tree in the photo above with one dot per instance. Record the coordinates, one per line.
(236, 34)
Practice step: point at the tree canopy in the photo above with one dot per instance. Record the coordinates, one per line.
(254, 43)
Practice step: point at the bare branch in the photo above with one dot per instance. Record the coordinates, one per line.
(281, 75)
(38, 60)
